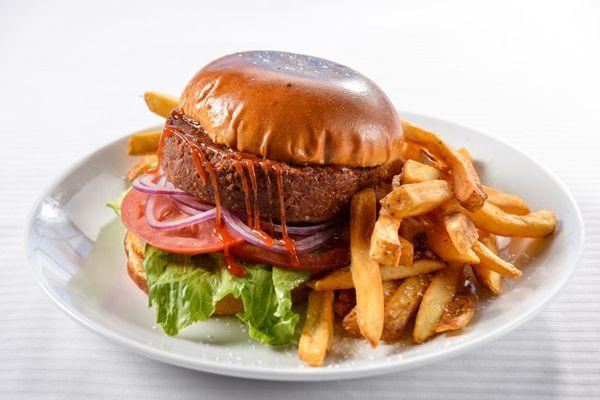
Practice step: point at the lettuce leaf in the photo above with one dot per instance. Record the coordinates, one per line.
(115, 203)
(186, 289)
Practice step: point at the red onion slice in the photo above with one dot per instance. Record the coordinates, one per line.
(145, 183)
(191, 202)
(305, 245)
(178, 222)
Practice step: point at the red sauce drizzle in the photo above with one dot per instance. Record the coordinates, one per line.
(266, 167)
(287, 241)
(240, 169)
(267, 239)
(166, 133)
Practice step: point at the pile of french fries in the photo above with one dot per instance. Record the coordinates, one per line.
(438, 202)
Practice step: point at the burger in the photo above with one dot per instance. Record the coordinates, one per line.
(249, 197)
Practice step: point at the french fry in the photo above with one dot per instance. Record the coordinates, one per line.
(458, 313)
(438, 295)
(342, 278)
(465, 153)
(467, 187)
(350, 322)
(415, 172)
(492, 219)
(416, 198)
(509, 203)
(143, 143)
(440, 243)
(407, 254)
(410, 228)
(488, 278)
(160, 104)
(491, 261)
(141, 165)
(317, 332)
(385, 245)
(461, 231)
(402, 306)
(365, 271)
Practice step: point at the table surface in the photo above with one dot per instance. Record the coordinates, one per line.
(71, 79)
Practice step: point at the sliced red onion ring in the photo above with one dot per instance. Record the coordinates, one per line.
(305, 245)
(145, 183)
(191, 202)
(175, 223)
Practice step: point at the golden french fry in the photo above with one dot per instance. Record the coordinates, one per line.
(342, 278)
(440, 243)
(365, 271)
(385, 245)
(143, 143)
(407, 254)
(438, 295)
(467, 187)
(465, 153)
(509, 203)
(410, 228)
(416, 172)
(458, 313)
(317, 332)
(402, 306)
(141, 165)
(491, 261)
(160, 104)
(492, 219)
(350, 322)
(416, 198)
(461, 231)
(488, 278)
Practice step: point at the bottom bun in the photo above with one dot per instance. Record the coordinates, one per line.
(229, 305)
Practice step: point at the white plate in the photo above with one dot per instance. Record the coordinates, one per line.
(74, 245)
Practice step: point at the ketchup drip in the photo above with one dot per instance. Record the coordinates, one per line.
(168, 131)
(287, 241)
(268, 240)
(240, 169)
(264, 164)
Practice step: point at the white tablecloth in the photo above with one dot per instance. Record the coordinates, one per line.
(71, 79)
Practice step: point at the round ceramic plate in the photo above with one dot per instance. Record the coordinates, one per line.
(74, 245)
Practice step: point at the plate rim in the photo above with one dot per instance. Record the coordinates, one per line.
(310, 374)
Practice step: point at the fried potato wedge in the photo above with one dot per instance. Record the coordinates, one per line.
(160, 104)
(491, 280)
(342, 278)
(492, 219)
(509, 203)
(402, 306)
(416, 198)
(317, 332)
(141, 165)
(461, 231)
(467, 187)
(410, 228)
(350, 324)
(440, 243)
(143, 143)
(366, 275)
(458, 313)
(407, 254)
(385, 246)
(491, 261)
(416, 172)
(438, 295)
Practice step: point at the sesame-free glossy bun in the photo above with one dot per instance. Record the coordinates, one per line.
(294, 108)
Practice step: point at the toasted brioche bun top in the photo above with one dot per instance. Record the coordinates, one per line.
(294, 108)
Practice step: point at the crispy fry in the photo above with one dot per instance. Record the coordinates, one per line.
(160, 104)
(509, 203)
(488, 278)
(458, 313)
(492, 219)
(342, 278)
(365, 271)
(438, 295)
(415, 172)
(350, 322)
(402, 306)
(440, 243)
(141, 165)
(407, 254)
(467, 187)
(385, 245)
(143, 143)
(317, 332)
(416, 198)
(461, 230)
(410, 228)
(491, 261)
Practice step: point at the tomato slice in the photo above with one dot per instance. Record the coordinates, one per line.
(329, 259)
(195, 239)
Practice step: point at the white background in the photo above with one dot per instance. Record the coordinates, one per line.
(71, 79)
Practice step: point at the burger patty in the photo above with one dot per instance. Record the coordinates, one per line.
(310, 193)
